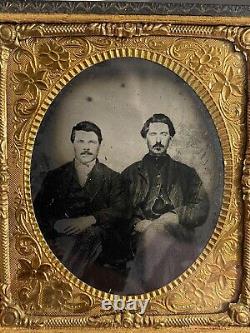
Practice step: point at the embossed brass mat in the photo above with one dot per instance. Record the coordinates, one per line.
(36, 290)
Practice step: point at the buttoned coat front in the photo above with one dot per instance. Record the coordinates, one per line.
(181, 184)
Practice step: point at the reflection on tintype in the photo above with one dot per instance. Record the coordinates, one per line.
(127, 197)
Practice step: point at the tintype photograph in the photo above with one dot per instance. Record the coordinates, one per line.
(127, 176)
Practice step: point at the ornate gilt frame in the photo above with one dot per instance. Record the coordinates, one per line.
(27, 264)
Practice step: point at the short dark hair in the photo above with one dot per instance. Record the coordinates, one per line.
(86, 126)
(158, 118)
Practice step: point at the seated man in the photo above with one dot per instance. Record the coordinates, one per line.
(168, 202)
(80, 208)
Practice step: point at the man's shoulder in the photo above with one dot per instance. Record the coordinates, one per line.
(61, 170)
(179, 167)
(182, 169)
(134, 167)
(103, 168)
(177, 164)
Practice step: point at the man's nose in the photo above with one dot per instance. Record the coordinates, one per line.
(158, 139)
(85, 146)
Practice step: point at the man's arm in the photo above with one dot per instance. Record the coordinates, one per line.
(195, 208)
(43, 205)
(117, 210)
(118, 207)
(74, 226)
(190, 213)
(52, 205)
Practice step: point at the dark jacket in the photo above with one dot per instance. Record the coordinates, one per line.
(180, 183)
(61, 196)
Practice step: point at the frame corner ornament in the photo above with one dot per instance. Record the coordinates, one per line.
(11, 315)
(240, 36)
(240, 313)
(8, 35)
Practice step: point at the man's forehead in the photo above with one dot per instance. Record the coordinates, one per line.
(158, 127)
(85, 135)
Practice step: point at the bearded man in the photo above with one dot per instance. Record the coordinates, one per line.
(168, 202)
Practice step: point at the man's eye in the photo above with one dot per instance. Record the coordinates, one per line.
(91, 141)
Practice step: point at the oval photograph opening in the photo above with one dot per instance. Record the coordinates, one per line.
(127, 176)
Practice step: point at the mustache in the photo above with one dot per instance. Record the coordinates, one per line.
(86, 152)
(158, 145)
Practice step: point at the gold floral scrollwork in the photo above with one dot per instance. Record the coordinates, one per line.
(59, 296)
(226, 84)
(53, 56)
(29, 85)
(11, 314)
(25, 31)
(203, 58)
(30, 81)
(41, 290)
(34, 273)
(41, 66)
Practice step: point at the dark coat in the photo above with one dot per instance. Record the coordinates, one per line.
(183, 187)
(61, 196)
(103, 196)
(168, 253)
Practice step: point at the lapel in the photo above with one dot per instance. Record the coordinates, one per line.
(95, 181)
(174, 190)
(170, 175)
(69, 182)
(143, 173)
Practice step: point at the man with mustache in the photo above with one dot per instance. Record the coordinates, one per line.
(80, 208)
(168, 202)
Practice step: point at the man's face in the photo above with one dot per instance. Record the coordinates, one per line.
(86, 146)
(158, 138)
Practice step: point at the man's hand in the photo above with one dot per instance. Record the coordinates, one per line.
(165, 219)
(142, 225)
(168, 218)
(158, 224)
(74, 226)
